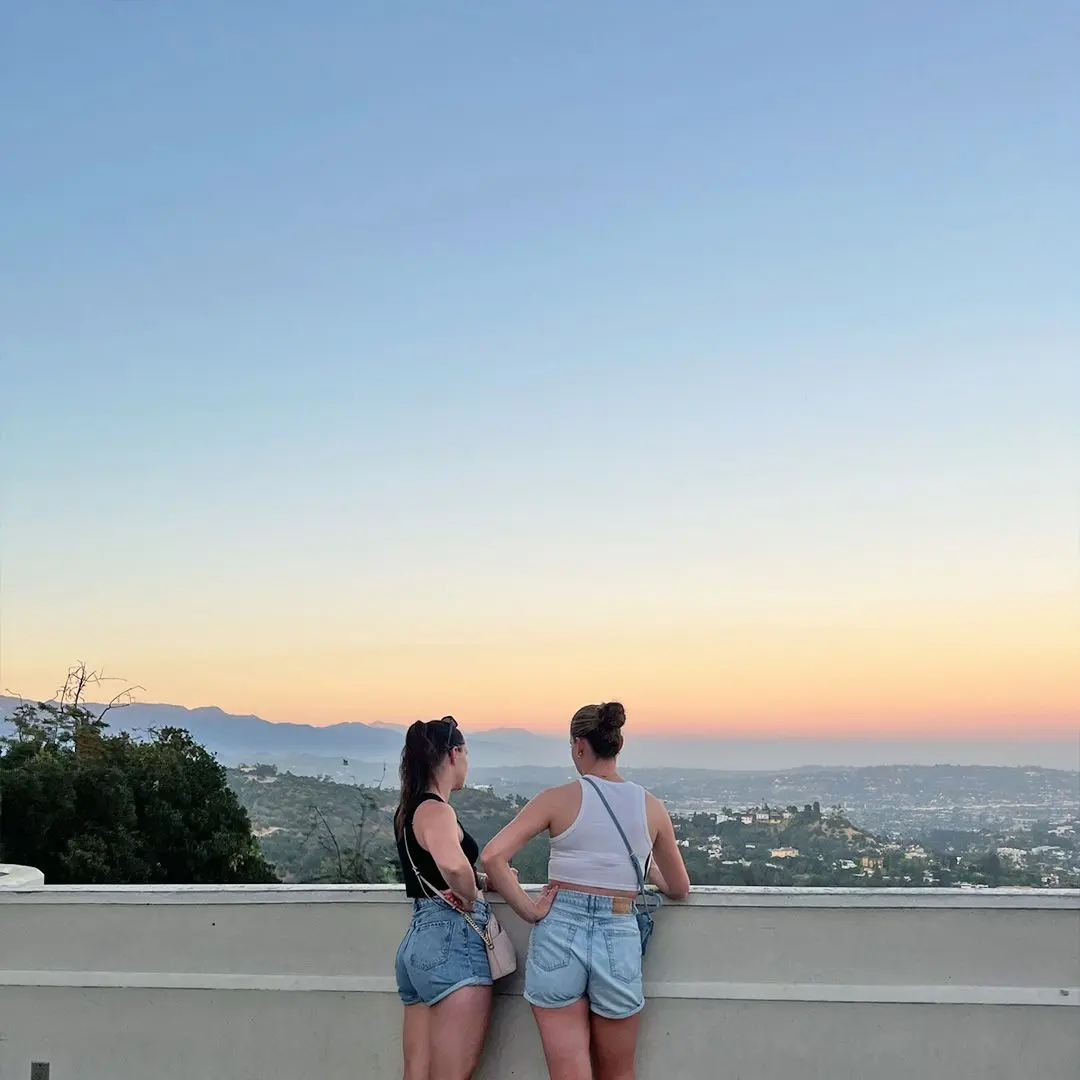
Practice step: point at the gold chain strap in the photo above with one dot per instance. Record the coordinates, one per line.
(485, 937)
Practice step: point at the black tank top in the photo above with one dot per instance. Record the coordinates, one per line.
(422, 857)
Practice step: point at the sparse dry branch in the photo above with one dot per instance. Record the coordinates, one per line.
(333, 847)
(78, 681)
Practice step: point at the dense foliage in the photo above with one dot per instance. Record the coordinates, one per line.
(88, 807)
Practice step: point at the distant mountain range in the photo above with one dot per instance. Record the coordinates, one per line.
(250, 739)
(305, 748)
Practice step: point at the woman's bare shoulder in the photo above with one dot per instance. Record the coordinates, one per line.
(560, 793)
(562, 804)
(571, 787)
(655, 808)
(431, 811)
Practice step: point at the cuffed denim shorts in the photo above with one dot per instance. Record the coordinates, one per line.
(441, 953)
(586, 946)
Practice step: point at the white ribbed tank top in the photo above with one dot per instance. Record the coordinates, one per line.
(591, 852)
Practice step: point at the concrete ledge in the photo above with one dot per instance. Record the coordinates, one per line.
(700, 896)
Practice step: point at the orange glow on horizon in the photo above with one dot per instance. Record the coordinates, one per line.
(1001, 672)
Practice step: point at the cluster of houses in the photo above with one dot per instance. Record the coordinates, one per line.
(863, 863)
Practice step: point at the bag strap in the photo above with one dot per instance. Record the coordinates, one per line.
(434, 893)
(635, 861)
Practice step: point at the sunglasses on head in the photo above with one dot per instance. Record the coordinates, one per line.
(451, 727)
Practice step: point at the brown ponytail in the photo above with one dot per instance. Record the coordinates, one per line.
(426, 745)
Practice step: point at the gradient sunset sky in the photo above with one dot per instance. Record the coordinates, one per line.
(375, 361)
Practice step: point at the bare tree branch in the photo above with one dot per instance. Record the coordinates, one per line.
(79, 679)
(333, 840)
(121, 700)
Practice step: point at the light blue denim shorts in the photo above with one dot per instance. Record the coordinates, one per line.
(582, 948)
(441, 953)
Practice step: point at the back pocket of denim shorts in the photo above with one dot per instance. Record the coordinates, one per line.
(624, 950)
(549, 944)
(430, 944)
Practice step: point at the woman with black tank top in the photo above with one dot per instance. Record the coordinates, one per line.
(443, 973)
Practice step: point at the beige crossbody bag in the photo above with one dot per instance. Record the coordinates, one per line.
(500, 949)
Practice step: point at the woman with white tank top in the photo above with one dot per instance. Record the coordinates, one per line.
(583, 972)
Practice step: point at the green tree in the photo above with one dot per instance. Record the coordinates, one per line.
(88, 807)
(990, 868)
(893, 862)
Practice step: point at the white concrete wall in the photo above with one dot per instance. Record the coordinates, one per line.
(296, 983)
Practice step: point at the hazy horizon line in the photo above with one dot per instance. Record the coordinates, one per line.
(649, 729)
(1030, 732)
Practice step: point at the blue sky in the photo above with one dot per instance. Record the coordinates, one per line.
(514, 332)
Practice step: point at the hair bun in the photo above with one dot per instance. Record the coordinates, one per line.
(611, 716)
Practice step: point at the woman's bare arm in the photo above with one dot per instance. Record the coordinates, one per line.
(668, 871)
(435, 826)
(532, 820)
(654, 877)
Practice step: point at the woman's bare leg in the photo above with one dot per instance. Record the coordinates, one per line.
(416, 1042)
(456, 1033)
(565, 1035)
(614, 1046)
